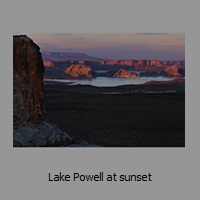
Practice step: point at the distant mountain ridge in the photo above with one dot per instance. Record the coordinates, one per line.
(61, 56)
(82, 58)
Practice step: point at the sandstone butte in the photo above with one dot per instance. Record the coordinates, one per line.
(79, 71)
(48, 63)
(121, 73)
(171, 71)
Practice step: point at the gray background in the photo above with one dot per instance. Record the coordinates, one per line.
(24, 171)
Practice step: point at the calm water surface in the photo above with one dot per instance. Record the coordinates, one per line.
(111, 82)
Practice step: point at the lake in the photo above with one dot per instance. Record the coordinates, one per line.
(111, 82)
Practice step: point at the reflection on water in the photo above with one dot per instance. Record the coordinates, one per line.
(111, 82)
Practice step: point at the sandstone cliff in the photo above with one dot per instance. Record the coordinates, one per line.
(79, 71)
(121, 73)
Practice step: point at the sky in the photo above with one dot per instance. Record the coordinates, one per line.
(160, 46)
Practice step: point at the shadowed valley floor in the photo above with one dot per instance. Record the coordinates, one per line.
(124, 119)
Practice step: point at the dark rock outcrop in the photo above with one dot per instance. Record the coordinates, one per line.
(28, 93)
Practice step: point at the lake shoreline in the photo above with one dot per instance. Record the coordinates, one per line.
(111, 82)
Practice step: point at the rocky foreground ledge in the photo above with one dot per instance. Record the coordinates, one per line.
(41, 134)
(44, 134)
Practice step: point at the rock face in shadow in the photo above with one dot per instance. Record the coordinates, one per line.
(29, 127)
(79, 71)
(121, 73)
(28, 93)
